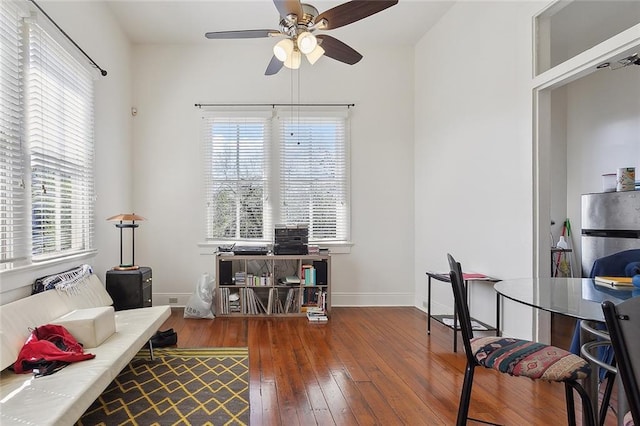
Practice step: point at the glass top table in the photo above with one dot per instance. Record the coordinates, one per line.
(579, 298)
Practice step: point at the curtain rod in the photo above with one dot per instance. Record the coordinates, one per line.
(274, 105)
(103, 72)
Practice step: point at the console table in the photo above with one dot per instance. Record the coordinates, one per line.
(451, 321)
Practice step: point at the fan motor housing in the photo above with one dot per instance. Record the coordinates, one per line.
(291, 23)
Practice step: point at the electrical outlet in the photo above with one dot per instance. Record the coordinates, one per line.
(173, 300)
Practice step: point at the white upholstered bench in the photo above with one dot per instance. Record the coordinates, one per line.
(114, 337)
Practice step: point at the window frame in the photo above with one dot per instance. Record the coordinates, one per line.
(60, 125)
(210, 171)
(273, 197)
(78, 226)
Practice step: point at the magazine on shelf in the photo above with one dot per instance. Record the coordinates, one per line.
(474, 324)
(466, 276)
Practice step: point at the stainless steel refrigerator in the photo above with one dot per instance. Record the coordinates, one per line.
(610, 224)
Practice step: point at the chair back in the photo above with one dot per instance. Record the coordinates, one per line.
(623, 322)
(462, 308)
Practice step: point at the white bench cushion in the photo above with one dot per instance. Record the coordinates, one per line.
(90, 326)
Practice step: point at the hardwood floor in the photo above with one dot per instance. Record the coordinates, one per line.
(367, 366)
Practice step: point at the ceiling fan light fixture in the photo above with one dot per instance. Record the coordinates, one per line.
(294, 60)
(283, 49)
(307, 42)
(315, 54)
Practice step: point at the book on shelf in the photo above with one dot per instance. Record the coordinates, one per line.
(292, 302)
(308, 275)
(290, 279)
(614, 281)
(274, 304)
(230, 302)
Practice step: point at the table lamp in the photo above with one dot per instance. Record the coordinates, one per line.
(127, 220)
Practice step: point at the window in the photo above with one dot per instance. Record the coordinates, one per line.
(46, 142)
(313, 175)
(296, 173)
(237, 182)
(60, 135)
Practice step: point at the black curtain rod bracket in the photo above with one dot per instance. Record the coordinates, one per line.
(102, 71)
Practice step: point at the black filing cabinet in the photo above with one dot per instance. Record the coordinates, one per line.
(129, 288)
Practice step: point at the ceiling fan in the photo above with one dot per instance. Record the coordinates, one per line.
(298, 22)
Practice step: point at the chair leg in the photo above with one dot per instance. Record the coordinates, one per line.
(586, 403)
(606, 398)
(465, 396)
(150, 350)
(571, 410)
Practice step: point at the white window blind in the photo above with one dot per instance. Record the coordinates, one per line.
(60, 135)
(13, 216)
(237, 185)
(314, 174)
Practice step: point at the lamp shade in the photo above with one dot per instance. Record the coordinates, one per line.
(306, 42)
(282, 50)
(315, 55)
(294, 60)
(125, 217)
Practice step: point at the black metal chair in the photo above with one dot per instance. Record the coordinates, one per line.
(592, 352)
(515, 357)
(623, 323)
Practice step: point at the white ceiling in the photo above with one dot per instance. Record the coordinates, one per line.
(171, 21)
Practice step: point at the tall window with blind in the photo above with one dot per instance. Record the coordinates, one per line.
(237, 154)
(314, 175)
(276, 169)
(60, 135)
(46, 142)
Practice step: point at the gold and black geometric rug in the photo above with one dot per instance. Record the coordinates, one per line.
(207, 386)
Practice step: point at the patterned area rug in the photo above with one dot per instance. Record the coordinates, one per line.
(208, 386)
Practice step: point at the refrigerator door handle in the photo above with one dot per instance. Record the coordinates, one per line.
(611, 233)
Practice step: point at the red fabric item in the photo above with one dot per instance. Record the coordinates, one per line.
(50, 343)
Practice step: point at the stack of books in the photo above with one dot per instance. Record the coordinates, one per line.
(240, 278)
(316, 314)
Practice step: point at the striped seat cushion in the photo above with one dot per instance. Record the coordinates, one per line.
(528, 359)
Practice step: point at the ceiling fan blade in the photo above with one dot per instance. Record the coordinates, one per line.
(352, 11)
(337, 50)
(274, 66)
(289, 7)
(223, 35)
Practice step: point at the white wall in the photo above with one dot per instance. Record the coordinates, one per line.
(473, 152)
(167, 168)
(92, 27)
